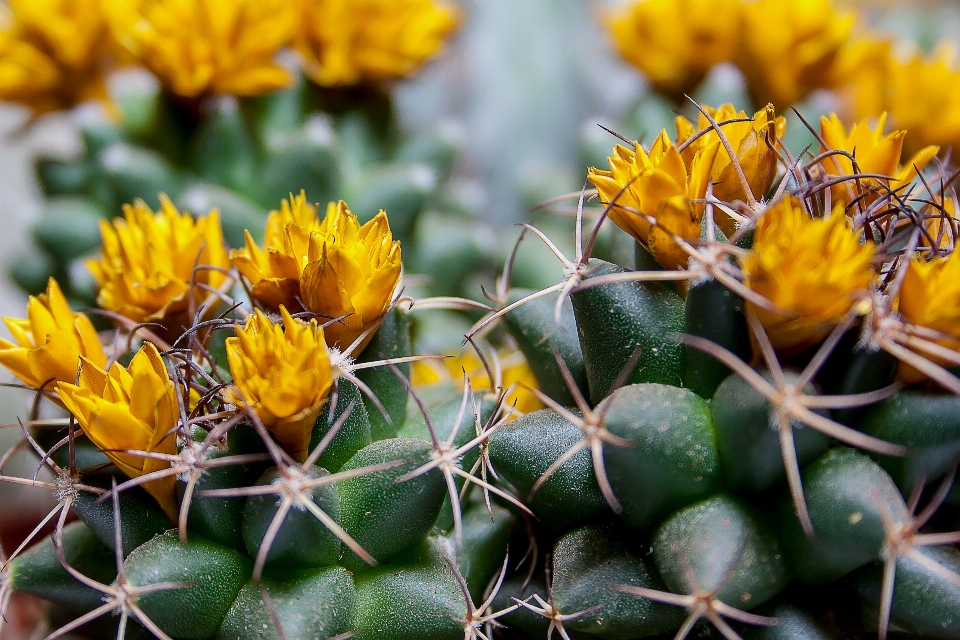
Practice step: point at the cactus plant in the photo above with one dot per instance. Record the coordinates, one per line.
(750, 430)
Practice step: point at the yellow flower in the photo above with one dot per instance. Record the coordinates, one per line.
(921, 94)
(336, 267)
(754, 142)
(813, 270)
(676, 42)
(148, 261)
(133, 408)
(514, 369)
(930, 298)
(875, 153)
(197, 47)
(348, 42)
(790, 48)
(274, 272)
(283, 373)
(50, 341)
(52, 53)
(658, 184)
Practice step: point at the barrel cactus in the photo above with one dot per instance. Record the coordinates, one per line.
(751, 429)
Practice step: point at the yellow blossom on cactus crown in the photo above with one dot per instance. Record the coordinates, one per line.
(812, 269)
(875, 154)
(133, 408)
(336, 267)
(513, 366)
(921, 94)
(658, 184)
(53, 53)
(274, 272)
(754, 142)
(149, 260)
(283, 373)
(50, 341)
(197, 47)
(348, 42)
(790, 48)
(930, 298)
(676, 42)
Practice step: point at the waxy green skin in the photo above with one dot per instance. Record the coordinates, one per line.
(928, 424)
(353, 435)
(748, 439)
(846, 492)
(792, 624)
(219, 519)
(215, 575)
(534, 327)
(486, 541)
(302, 540)
(38, 571)
(589, 564)
(615, 320)
(415, 597)
(310, 603)
(392, 340)
(722, 545)
(386, 517)
(924, 603)
(713, 312)
(672, 459)
(142, 517)
(523, 449)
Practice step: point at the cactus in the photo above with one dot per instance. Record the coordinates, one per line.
(689, 466)
(747, 429)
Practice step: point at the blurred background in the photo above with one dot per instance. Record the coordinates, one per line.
(521, 90)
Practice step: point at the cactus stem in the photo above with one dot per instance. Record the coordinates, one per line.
(592, 426)
(446, 456)
(548, 608)
(902, 540)
(295, 487)
(120, 598)
(478, 618)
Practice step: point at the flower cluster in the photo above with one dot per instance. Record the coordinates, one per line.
(55, 54)
(785, 48)
(167, 273)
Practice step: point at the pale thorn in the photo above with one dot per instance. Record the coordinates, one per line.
(446, 457)
(734, 160)
(902, 538)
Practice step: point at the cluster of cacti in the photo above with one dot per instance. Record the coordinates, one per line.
(752, 431)
(223, 123)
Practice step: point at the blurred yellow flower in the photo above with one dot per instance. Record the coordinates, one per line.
(133, 408)
(514, 370)
(659, 184)
(921, 94)
(930, 298)
(676, 42)
(198, 47)
(336, 267)
(875, 153)
(790, 48)
(283, 373)
(754, 142)
(53, 53)
(813, 270)
(148, 261)
(50, 341)
(348, 42)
